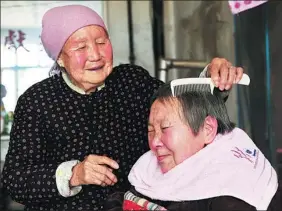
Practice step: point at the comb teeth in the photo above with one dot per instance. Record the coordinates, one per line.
(182, 85)
(180, 89)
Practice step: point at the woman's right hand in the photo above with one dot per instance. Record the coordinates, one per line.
(95, 170)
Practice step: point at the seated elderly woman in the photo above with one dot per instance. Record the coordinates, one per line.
(198, 160)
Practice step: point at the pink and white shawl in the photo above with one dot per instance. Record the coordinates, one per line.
(231, 165)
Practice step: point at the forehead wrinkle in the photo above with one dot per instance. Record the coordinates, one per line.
(160, 111)
(154, 114)
(175, 106)
(172, 104)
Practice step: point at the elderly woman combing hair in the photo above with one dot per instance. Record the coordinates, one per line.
(77, 134)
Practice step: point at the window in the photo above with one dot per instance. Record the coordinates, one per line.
(19, 72)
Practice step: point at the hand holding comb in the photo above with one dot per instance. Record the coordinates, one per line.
(182, 85)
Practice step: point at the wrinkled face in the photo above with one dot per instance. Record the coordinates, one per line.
(87, 56)
(170, 138)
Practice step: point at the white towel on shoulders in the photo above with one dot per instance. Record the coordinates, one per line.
(231, 165)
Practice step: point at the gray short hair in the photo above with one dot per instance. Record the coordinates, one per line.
(56, 69)
(196, 106)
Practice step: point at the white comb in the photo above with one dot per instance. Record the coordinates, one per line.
(179, 86)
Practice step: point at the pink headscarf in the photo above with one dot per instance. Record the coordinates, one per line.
(59, 23)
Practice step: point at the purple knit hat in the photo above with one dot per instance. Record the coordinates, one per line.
(59, 23)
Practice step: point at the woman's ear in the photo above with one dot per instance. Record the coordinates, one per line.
(210, 129)
(60, 62)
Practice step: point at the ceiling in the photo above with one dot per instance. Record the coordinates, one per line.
(28, 14)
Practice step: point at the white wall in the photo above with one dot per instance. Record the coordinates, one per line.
(116, 18)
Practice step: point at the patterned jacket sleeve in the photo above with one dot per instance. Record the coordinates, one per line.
(148, 85)
(27, 175)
